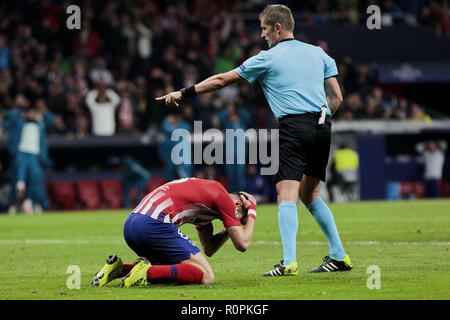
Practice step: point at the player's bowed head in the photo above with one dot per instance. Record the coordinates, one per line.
(243, 201)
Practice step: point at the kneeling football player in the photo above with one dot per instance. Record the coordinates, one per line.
(165, 253)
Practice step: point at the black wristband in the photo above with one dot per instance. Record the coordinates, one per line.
(188, 92)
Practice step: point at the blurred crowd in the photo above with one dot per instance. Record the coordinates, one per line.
(433, 14)
(102, 79)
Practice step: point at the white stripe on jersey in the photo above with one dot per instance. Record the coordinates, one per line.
(141, 204)
(163, 205)
(152, 200)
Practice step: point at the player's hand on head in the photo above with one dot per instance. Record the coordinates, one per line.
(247, 199)
(171, 99)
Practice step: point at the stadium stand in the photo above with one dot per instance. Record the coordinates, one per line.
(62, 195)
(143, 49)
(89, 194)
(111, 192)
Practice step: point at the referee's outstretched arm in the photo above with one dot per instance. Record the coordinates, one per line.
(212, 83)
(334, 95)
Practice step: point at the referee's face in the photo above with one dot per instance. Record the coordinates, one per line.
(268, 33)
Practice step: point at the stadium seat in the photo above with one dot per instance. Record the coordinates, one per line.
(88, 194)
(445, 189)
(62, 195)
(419, 189)
(393, 191)
(111, 191)
(48, 190)
(406, 189)
(155, 183)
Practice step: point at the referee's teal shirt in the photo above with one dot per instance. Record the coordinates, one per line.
(292, 75)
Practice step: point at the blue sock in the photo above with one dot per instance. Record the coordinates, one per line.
(288, 224)
(325, 220)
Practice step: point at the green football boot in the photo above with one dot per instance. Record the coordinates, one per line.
(109, 272)
(280, 270)
(138, 275)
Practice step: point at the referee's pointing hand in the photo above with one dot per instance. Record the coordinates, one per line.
(172, 99)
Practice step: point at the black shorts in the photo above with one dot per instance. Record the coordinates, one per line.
(304, 147)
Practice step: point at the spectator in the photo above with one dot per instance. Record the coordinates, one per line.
(127, 110)
(210, 173)
(199, 174)
(102, 104)
(188, 114)
(176, 166)
(417, 114)
(434, 157)
(12, 124)
(382, 102)
(135, 176)
(372, 110)
(144, 50)
(31, 155)
(344, 169)
(352, 107)
(5, 52)
(401, 110)
(4, 190)
(82, 127)
(235, 118)
(99, 73)
(204, 110)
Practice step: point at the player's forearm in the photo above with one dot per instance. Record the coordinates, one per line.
(217, 241)
(242, 236)
(248, 232)
(211, 242)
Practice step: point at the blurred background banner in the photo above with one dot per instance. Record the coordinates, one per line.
(88, 96)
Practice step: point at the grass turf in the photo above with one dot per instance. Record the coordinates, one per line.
(409, 241)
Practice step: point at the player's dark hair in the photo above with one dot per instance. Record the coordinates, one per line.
(238, 195)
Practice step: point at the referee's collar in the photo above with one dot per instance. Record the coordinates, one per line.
(287, 39)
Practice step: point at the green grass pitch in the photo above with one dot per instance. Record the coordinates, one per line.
(409, 241)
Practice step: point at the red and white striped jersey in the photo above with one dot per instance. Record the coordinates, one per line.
(190, 200)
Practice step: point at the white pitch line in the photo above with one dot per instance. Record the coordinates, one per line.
(363, 243)
(258, 242)
(56, 241)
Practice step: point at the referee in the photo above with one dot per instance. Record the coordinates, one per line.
(299, 82)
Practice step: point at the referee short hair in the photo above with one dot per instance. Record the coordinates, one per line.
(278, 13)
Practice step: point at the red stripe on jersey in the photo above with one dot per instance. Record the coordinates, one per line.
(191, 200)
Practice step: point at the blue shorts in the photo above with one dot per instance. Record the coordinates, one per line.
(159, 242)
